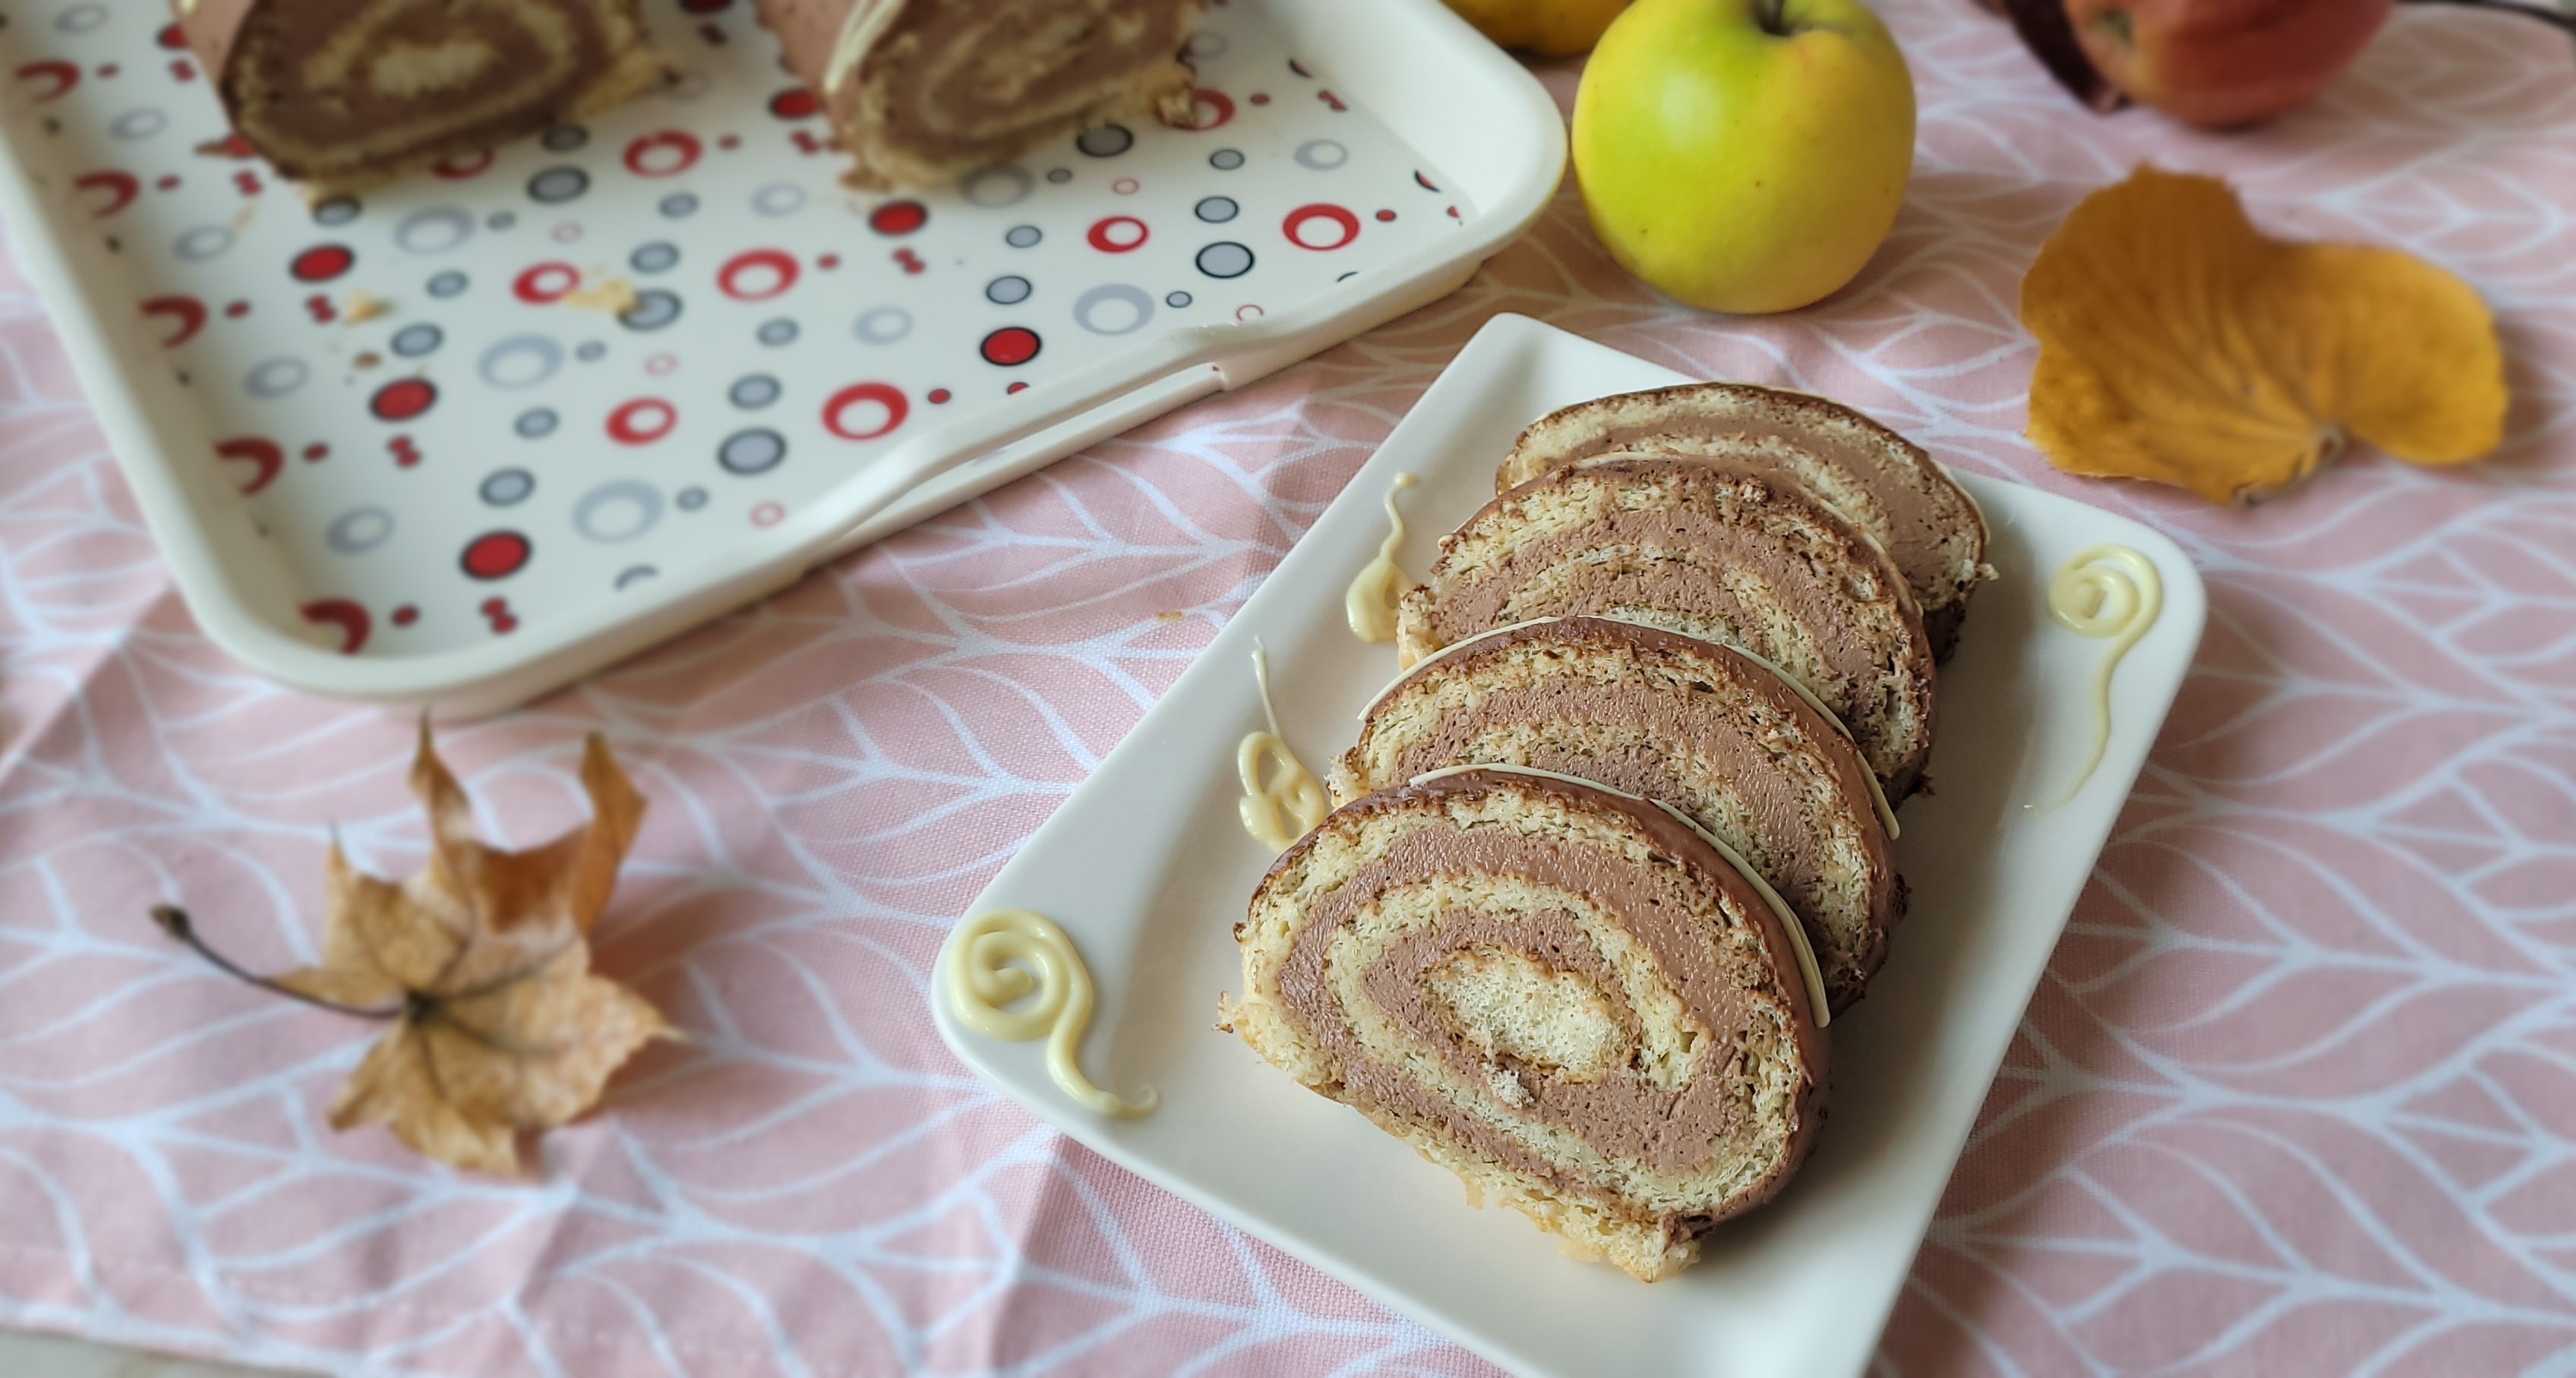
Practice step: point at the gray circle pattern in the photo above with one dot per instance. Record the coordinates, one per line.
(1007, 291)
(653, 309)
(413, 341)
(618, 511)
(81, 18)
(556, 185)
(1226, 159)
(507, 487)
(1323, 155)
(1023, 236)
(1177, 300)
(691, 498)
(1225, 259)
(679, 205)
(1216, 210)
(752, 452)
(339, 210)
(359, 530)
(778, 200)
(564, 138)
(536, 423)
(1106, 140)
(447, 284)
(136, 125)
(753, 391)
(996, 187)
(276, 377)
(1087, 309)
(202, 243)
(781, 331)
(884, 325)
(434, 231)
(520, 362)
(657, 257)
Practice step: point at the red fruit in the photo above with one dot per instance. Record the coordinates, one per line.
(2219, 63)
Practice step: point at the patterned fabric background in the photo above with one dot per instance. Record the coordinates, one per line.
(2298, 1094)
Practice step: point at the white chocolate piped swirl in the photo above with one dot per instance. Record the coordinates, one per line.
(1010, 956)
(1370, 602)
(1285, 801)
(2107, 592)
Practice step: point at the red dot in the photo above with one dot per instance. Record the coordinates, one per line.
(496, 555)
(494, 607)
(167, 183)
(405, 615)
(108, 69)
(237, 310)
(322, 263)
(403, 399)
(898, 217)
(173, 37)
(939, 396)
(828, 262)
(458, 167)
(1384, 216)
(1011, 346)
(1260, 99)
(505, 624)
(795, 103)
(1017, 387)
(316, 452)
(729, 141)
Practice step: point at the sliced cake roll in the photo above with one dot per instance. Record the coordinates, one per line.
(1690, 723)
(1870, 476)
(1708, 550)
(342, 95)
(1564, 995)
(925, 91)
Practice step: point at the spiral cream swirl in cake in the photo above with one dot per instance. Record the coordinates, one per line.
(923, 91)
(345, 93)
(1564, 995)
(1689, 723)
(1709, 550)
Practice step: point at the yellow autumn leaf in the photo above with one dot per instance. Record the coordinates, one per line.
(2178, 343)
(482, 963)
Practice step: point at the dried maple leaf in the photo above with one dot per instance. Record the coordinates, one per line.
(2179, 344)
(481, 959)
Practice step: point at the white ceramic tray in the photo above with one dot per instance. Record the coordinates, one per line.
(1147, 869)
(504, 482)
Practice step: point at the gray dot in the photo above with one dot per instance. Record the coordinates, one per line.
(202, 243)
(339, 210)
(778, 332)
(556, 185)
(1023, 236)
(447, 284)
(508, 487)
(1113, 309)
(1226, 159)
(359, 530)
(591, 352)
(885, 325)
(752, 452)
(778, 200)
(652, 310)
(618, 511)
(501, 220)
(679, 205)
(1323, 155)
(564, 138)
(1177, 300)
(753, 391)
(636, 574)
(434, 231)
(691, 498)
(1060, 175)
(140, 124)
(520, 362)
(276, 377)
(1106, 141)
(413, 341)
(1225, 259)
(81, 18)
(996, 187)
(1007, 291)
(536, 423)
(1216, 210)
(657, 257)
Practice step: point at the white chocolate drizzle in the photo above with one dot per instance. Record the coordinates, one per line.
(1290, 802)
(1370, 602)
(2110, 593)
(997, 961)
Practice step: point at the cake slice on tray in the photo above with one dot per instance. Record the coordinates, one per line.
(342, 96)
(1709, 550)
(926, 91)
(1880, 482)
(1565, 995)
(1723, 738)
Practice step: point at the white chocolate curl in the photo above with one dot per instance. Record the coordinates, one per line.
(2107, 592)
(1001, 959)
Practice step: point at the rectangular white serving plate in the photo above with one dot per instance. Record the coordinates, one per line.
(1147, 870)
(800, 376)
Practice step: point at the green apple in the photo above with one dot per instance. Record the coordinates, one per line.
(1744, 155)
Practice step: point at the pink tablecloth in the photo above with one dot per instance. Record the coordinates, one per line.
(2298, 1093)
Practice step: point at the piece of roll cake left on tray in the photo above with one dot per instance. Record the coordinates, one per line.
(346, 94)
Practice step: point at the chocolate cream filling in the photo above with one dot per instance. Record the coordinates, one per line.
(957, 79)
(326, 84)
(1674, 560)
(1623, 1116)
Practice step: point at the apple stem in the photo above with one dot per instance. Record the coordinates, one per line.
(1767, 14)
(2553, 17)
(174, 921)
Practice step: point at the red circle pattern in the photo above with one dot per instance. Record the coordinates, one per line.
(1298, 219)
(663, 153)
(546, 283)
(322, 262)
(403, 399)
(777, 262)
(496, 555)
(886, 395)
(642, 421)
(898, 217)
(1108, 235)
(1011, 346)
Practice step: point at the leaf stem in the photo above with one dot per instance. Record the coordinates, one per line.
(174, 921)
(2555, 18)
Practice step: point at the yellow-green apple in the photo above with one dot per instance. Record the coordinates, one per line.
(1744, 155)
(2218, 63)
